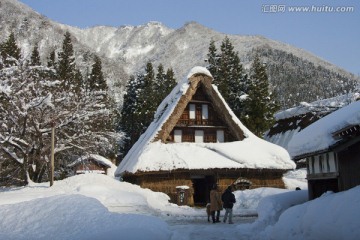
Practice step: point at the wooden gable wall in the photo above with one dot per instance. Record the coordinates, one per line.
(200, 115)
(180, 116)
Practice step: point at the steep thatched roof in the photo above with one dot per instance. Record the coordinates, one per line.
(195, 81)
(151, 153)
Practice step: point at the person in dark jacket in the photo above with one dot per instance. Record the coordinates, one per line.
(228, 199)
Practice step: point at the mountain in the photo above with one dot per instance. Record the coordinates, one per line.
(296, 75)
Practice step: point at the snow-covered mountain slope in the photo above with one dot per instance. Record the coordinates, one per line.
(125, 50)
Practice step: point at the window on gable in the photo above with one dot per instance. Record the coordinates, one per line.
(192, 111)
(205, 112)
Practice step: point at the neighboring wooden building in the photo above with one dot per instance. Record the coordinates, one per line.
(331, 147)
(291, 121)
(91, 163)
(196, 141)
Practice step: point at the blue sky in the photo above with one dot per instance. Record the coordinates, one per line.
(327, 31)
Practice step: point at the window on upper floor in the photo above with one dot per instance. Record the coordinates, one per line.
(205, 112)
(192, 111)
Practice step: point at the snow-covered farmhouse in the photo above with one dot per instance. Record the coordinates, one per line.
(196, 141)
(331, 147)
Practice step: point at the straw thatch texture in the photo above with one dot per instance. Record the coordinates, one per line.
(167, 182)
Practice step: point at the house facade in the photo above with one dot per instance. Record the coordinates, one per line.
(196, 141)
(199, 122)
(333, 163)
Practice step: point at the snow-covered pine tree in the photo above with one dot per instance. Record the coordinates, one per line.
(260, 105)
(170, 81)
(66, 67)
(147, 97)
(96, 79)
(164, 83)
(228, 74)
(237, 84)
(35, 57)
(97, 88)
(10, 52)
(52, 59)
(143, 95)
(213, 61)
(159, 83)
(129, 121)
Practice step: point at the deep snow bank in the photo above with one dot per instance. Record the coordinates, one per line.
(75, 217)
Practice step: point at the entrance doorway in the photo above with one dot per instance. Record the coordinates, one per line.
(318, 187)
(202, 186)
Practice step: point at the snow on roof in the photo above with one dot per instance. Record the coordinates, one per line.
(149, 155)
(318, 136)
(324, 105)
(198, 70)
(97, 158)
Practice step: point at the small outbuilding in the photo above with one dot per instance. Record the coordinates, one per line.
(91, 163)
(331, 147)
(195, 141)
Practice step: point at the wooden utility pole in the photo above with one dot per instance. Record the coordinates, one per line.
(52, 154)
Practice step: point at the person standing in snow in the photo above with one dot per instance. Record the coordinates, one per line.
(215, 203)
(228, 199)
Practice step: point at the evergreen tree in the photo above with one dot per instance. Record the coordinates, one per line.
(164, 83)
(10, 52)
(160, 85)
(96, 78)
(77, 81)
(160, 79)
(228, 74)
(147, 97)
(66, 68)
(260, 105)
(213, 61)
(170, 81)
(52, 59)
(225, 67)
(143, 95)
(96, 86)
(130, 123)
(35, 57)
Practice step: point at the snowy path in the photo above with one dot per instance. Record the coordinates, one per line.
(201, 229)
(192, 227)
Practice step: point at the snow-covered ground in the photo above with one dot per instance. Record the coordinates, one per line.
(94, 206)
